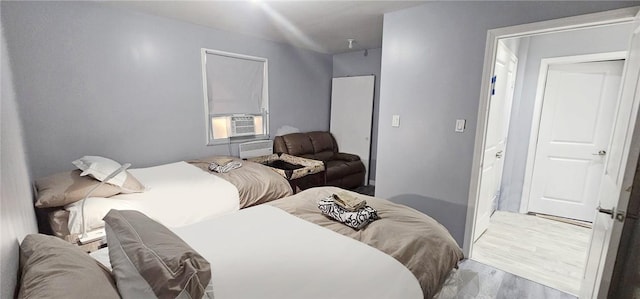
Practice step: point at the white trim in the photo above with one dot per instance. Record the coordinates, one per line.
(537, 112)
(617, 16)
(233, 55)
(207, 119)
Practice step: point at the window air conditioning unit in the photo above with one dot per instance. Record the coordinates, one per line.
(242, 125)
(255, 148)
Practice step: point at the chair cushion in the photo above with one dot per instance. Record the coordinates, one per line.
(322, 141)
(338, 168)
(324, 156)
(346, 157)
(298, 144)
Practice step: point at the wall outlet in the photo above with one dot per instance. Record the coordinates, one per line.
(395, 121)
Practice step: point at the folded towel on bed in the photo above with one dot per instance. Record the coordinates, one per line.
(224, 168)
(348, 201)
(357, 219)
(222, 161)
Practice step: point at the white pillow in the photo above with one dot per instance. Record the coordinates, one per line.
(94, 210)
(99, 168)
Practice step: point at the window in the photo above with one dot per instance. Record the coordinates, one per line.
(236, 96)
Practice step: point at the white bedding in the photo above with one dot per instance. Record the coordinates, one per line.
(177, 194)
(264, 252)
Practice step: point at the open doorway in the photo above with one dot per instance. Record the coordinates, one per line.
(565, 93)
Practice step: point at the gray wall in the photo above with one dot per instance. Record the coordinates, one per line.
(17, 218)
(431, 69)
(355, 64)
(580, 42)
(96, 79)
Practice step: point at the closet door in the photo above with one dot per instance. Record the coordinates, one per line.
(351, 115)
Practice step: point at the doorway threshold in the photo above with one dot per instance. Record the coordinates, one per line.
(564, 220)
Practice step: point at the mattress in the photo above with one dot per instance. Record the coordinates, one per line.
(254, 184)
(416, 240)
(177, 194)
(264, 252)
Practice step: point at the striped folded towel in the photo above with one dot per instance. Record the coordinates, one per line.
(213, 166)
(356, 219)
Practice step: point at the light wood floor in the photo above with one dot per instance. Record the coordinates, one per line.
(549, 252)
(476, 280)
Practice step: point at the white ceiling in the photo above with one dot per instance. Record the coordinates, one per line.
(322, 26)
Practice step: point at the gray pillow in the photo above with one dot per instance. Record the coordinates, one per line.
(54, 268)
(149, 260)
(68, 187)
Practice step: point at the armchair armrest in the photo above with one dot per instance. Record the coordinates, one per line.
(346, 157)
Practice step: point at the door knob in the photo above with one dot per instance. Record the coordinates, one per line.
(499, 155)
(600, 153)
(607, 211)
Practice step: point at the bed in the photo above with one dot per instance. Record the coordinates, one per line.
(264, 252)
(286, 249)
(416, 240)
(249, 246)
(256, 183)
(283, 249)
(312, 255)
(166, 187)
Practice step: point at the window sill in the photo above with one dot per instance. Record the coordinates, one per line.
(234, 140)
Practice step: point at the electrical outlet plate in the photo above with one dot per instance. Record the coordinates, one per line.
(395, 121)
(460, 125)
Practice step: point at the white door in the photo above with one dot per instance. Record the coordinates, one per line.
(352, 114)
(496, 138)
(575, 127)
(620, 166)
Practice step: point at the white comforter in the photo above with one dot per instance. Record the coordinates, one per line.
(177, 194)
(264, 252)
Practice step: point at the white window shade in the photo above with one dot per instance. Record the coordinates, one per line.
(235, 86)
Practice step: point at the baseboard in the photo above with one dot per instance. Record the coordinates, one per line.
(372, 182)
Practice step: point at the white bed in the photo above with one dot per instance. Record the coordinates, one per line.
(177, 194)
(264, 252)
(170, 189)
(286, 248)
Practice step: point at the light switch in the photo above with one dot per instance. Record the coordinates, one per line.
(460, 125)
(395, 121)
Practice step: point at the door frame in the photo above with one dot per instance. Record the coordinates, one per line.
(537, 111)
(618, 16)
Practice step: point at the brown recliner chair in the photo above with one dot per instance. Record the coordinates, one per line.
(342, 169)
